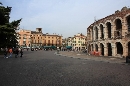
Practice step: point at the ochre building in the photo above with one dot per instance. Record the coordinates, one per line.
(28, 38)
(24, 38)
(110, 36)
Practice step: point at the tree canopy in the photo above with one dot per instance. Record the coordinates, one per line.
(8, 35)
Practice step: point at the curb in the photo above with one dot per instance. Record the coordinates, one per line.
(111, 60)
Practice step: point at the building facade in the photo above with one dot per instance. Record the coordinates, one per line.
(36, 38)
(110, 36)
(24, 38)
(77, 42)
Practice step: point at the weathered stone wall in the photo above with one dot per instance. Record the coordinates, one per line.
(109, 36)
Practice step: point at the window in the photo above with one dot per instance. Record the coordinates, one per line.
(24, 42)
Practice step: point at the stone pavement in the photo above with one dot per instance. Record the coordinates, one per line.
(80, 55)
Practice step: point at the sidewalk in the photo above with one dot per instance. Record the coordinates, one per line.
(80, 55)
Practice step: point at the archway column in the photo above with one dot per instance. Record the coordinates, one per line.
(112, 32)
(99, 34)
(125, 50)
(105, 33)
(91, 47)
(125, 28)
(114, 50)
(91, 34)
(105, 50)
(99, 49)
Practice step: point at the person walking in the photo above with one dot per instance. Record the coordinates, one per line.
(5, 53)
(16, 52)
(10, 52)
(21, 53)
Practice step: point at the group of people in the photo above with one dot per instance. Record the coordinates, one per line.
(11, 51)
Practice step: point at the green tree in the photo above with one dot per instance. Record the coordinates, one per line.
(8, 35)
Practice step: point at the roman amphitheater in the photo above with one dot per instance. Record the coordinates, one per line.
(110, 36)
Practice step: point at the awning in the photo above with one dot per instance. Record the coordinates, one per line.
(49, 47)
(68, 47)
(53, 47)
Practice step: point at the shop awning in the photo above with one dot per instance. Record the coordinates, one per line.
(68, 47)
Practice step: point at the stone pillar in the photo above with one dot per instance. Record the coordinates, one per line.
(105, 33)
(124, 28)
(112, 31)
(99, 33)
(105, 50)
(114, 50)
(99, 49)
(125, 50)
(93, 46)
(91, 34)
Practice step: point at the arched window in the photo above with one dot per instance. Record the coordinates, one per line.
(109, 29)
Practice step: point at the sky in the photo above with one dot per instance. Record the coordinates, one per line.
(63, 17)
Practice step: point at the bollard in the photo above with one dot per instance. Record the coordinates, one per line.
(57, 51)
(127, 59)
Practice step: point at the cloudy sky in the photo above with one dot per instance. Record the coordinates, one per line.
(63, 17)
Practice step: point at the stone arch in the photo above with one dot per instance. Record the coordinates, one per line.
(92, 48)
(109, 49)
(102, 31)
(128, 22)
(92, 33)
(95, 32)
(89, 34)
(96, 47)
(128, 48)
(102, 49)
(108, 27)
(89, 48)
(118, 29)
(116, 19)
(119, 48)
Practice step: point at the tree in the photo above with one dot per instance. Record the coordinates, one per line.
(8, 35)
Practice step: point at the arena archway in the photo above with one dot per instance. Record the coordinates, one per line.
(128, 22)
(92, 47)
(102, 31)
(108, 24)
(128, 48)
(96, 33)
(109, 49)
(96, 47)
(102, 49)
(118, 27)
(89, 49)
(119, 48)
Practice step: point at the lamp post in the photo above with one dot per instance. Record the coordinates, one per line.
(57, 46)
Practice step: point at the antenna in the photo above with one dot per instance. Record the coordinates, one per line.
(95, 19)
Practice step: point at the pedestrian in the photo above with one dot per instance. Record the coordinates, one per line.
(10, 52)
(5, 53)
(21, 53)
(16, 52)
